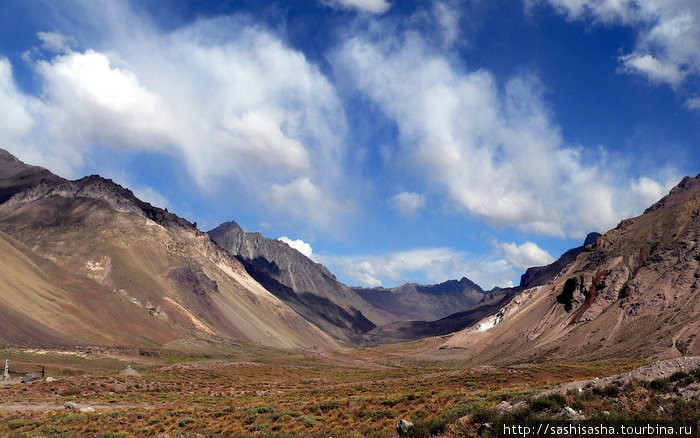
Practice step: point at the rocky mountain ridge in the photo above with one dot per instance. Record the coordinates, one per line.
(632, 293)
(415, 302)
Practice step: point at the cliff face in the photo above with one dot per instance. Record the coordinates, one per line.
(304, 285)
(632, 293)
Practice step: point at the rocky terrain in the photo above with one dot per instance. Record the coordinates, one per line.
(632, 293)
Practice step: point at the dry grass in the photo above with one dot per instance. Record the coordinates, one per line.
(274, 395)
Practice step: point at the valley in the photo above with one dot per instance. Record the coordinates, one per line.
(143, 325)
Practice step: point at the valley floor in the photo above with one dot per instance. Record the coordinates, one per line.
(262, 391)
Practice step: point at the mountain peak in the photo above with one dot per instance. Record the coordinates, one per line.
(684, 190)
(227, 227)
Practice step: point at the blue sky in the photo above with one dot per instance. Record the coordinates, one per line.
(392, 141)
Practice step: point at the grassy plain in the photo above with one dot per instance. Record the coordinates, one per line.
(250, 390)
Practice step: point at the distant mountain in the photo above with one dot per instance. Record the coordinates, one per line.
(634, 292)
(414, 302)
(471, 312)
(157, 274)
(307, 287)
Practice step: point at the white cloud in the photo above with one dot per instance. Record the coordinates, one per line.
(497, 154)
(425, 265)
(407, 203)
(299, 245)
(667, 47)
(56, 42)
(655, 70)
(228, 98)
(372, 6)
(15, 117)
(525, 255)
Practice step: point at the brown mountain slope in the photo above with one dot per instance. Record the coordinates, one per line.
(160, 264)
(44, 304)
(633, 293)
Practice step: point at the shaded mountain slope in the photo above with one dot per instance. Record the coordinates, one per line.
(304, 285)
(161, 264)
(414, 302)
(632, 293)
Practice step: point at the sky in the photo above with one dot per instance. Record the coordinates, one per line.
(413, 141)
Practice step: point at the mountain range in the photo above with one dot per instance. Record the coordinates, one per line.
(86, 262)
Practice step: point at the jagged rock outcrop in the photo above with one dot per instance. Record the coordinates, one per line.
(306, 286)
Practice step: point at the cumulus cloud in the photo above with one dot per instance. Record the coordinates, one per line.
(497, 154)
(525, 255)
(299, 245)
(372, 6)
(432, 265)
(667, 47)
(234, 106)
(407, 203)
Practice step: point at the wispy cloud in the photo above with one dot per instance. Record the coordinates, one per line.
(371, 6)
(497, 155)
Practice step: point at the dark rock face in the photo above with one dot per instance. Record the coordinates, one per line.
(308, 287)
(414, 302)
